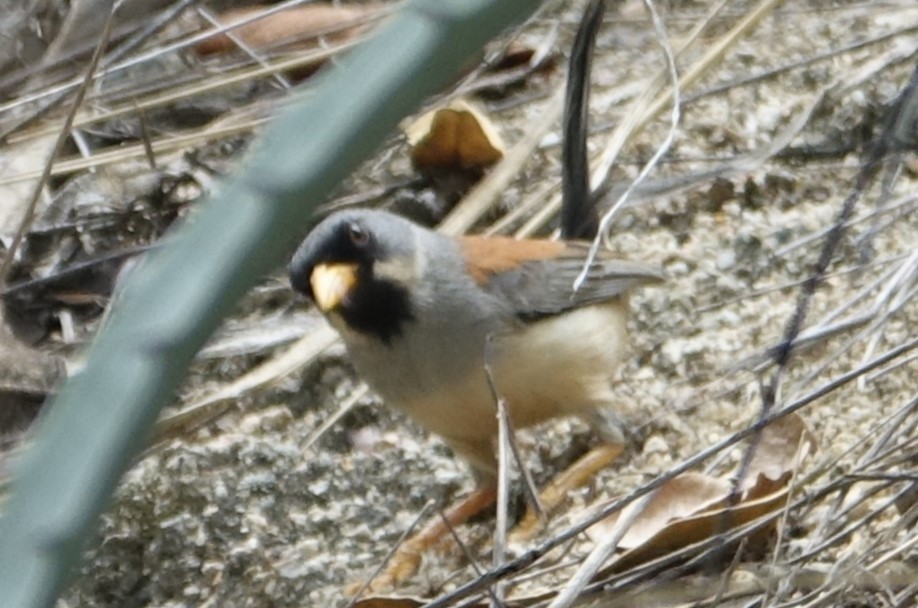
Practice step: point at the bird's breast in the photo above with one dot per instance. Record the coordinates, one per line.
(553, 367)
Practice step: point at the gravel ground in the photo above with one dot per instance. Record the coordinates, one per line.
(244, 513)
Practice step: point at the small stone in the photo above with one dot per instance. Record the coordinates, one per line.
(655, 444)
(726, 259)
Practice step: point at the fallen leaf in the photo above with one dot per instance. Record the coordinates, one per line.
(782, 447)
(300, 26)
(681, 533)
(682, 497)
(457, 137)
(694, 507)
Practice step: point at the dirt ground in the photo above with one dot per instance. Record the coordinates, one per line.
(249, 511)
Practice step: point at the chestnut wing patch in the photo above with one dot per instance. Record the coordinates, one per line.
(487, 256)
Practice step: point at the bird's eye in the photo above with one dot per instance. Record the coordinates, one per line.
(358, 235)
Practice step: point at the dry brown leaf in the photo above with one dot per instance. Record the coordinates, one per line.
(457, 137)
(693, 507)
(300, 25)
(681, 533)
(682, 497)
(783, 446)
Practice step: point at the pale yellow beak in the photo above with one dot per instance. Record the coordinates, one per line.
(331, 283)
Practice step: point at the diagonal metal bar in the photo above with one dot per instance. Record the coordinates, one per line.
(101, 418)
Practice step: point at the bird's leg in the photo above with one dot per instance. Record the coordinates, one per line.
(613, 433)
(573, 477)
(407, 557)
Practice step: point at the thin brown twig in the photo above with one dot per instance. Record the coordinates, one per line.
(529, 486)
(159, 51)
(247, 49)
(466, 552)
(145, 139)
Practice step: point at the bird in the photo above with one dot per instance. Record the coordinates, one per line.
(440, 326)
(432, 322)
(422, 314)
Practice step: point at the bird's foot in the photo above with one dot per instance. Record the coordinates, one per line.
(407, 557)
(573, 477)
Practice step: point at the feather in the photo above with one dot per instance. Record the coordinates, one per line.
(540, 287)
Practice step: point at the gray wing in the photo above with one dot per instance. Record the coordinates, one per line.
(540, 288)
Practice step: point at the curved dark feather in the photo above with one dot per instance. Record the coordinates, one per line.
(579, 217)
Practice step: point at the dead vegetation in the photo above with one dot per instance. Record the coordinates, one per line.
(783, 211)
